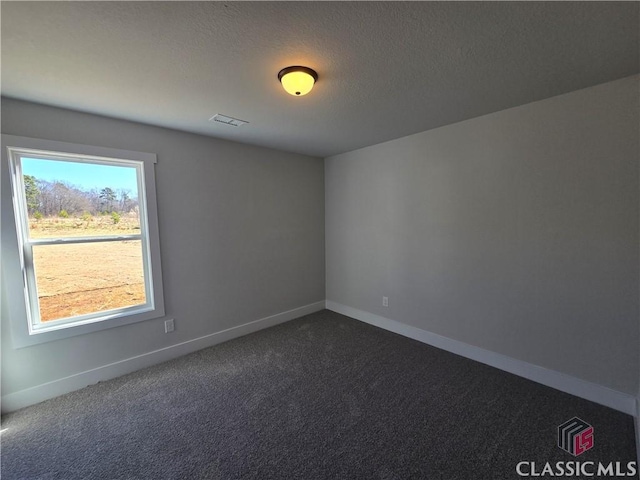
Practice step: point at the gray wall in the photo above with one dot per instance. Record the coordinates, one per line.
(241, 238)
(516, 232)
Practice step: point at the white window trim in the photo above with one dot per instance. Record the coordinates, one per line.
(14, 276)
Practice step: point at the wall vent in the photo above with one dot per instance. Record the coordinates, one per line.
(234, 122)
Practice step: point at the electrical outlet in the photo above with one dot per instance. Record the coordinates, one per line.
(385, 301)
(169, 326)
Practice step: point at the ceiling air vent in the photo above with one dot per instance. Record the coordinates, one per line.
(234, 122)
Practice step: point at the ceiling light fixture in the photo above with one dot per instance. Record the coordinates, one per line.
(297, 81)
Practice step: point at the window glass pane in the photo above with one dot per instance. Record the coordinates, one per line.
(74, 199)
(78, 279)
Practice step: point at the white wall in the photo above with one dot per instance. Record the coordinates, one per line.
(241, 237)
(516, 232)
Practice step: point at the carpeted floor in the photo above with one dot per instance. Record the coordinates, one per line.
(321, 397)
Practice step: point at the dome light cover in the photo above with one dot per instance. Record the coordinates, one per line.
(297, 80)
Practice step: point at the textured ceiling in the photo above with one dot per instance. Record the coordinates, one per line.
(387, 69)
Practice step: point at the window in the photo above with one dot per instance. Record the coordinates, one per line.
(87, 239)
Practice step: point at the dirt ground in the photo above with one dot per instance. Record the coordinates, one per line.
(85, 278)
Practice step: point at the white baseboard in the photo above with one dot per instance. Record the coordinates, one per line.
(560, 381)
(30, 396)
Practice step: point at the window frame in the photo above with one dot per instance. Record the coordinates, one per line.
(18, 261)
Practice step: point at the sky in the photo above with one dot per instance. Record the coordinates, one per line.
(85, 176)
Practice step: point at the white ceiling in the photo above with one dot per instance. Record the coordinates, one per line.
(387, 69)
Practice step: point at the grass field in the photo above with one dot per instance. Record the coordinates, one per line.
(84, 278)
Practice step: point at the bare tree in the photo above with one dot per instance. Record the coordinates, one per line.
(125, 200)
(51, 198)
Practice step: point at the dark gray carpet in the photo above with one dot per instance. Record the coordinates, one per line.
(321, 397)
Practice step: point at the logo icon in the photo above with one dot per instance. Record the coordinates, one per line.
(575, 436)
